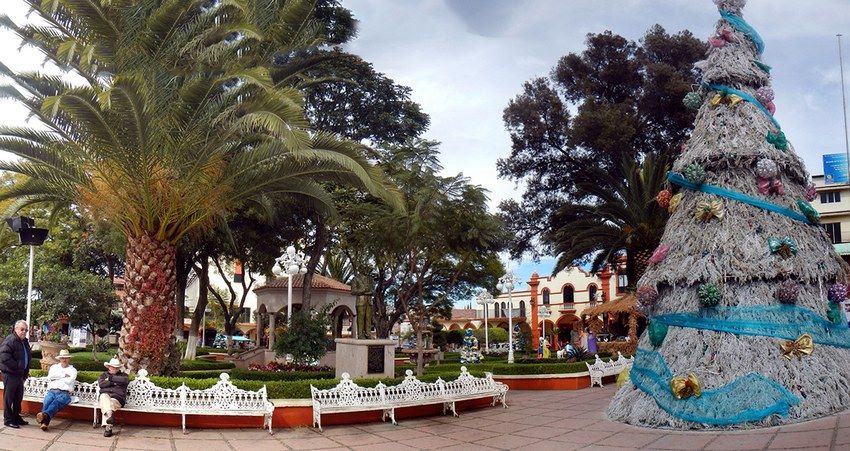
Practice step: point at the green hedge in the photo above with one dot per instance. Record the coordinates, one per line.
(196, 365)
(239, 373)
(82, 364)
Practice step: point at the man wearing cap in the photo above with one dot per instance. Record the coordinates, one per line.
(61, 379)
(14, 363)
(113, 393)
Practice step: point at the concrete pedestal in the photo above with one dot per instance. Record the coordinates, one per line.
(365, 358)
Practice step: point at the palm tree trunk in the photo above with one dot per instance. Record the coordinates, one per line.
(149, 311)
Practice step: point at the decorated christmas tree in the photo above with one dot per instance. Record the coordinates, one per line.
(743, 293)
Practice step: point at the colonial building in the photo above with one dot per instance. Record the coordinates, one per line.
(833, 204)
(564, 295)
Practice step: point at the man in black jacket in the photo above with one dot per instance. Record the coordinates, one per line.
(14, 363)
(113, 393)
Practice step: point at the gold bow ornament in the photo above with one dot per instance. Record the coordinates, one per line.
(730, 99)
(674, 202)
(685, 387)
(797, 348)
(623, 377)
(708, 209)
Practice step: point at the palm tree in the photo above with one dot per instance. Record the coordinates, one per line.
(619, 216)
(185, 111)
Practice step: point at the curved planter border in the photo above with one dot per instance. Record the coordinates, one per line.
(288, 413)
(564, 381)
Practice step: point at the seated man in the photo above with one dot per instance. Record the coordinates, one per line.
(62, 377)
(113, 393)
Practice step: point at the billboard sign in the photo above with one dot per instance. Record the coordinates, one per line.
(835, 168)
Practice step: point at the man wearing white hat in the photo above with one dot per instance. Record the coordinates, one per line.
(61, 378)
(113, 393)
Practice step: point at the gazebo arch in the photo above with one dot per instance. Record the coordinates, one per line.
(342, 318)
(454, 326)
(566, 324)
(469, 325)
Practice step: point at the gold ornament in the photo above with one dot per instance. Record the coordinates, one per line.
(684, 387)
(797, 348)
(706, 210)
(730, 99)
(674, 202)
(623, 377)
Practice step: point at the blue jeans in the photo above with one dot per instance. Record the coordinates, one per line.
(54, 401)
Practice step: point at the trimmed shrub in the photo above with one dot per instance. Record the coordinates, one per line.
(239, 373)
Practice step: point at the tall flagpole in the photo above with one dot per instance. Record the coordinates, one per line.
(844, 106)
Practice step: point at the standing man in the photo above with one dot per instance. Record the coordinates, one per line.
(60, 388)
(14, 363)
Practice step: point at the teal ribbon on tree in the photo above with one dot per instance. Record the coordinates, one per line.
(741, 25)
(677, 179)
(785, 321)
(749, 398)
(730, 91)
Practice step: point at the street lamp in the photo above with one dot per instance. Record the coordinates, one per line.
(290, 263)
(30, 235)
(506, 283)
(485, 299)
(544, 312)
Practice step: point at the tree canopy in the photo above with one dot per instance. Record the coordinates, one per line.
(616, 101)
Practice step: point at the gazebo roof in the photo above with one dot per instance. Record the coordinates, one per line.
(319, 281)
(626, 303)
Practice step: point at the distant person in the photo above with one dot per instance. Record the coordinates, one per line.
(113, 393)
(591, 343)
(14, 363)
(61, 379)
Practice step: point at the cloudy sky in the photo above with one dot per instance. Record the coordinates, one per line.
(464, 59)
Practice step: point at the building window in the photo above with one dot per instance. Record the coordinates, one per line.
(830, 197)
(504, 310)
(521, 308)
(569, 295)
(496, 310)
(833, 229)
(622, 282)
(546, 297)
(591, 293)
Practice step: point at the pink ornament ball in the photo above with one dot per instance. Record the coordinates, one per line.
(764, 95)
(716, 42)
(837, 292)
(770, 107)
(810, 192)
(646, 296)
(787, 292)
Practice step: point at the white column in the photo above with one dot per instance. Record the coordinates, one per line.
(271, 330)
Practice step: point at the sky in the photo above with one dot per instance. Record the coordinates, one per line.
(465, 59)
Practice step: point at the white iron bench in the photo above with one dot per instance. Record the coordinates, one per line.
(223, 398)
(350, 397)
(600, 369)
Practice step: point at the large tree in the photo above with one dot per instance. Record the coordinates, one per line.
(616, 101)
(185, 112)
(443, 248)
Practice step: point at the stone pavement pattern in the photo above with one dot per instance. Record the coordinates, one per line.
(538, 420)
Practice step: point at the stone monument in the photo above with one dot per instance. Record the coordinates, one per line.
(364, 356)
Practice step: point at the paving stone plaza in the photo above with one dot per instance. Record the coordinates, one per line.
(538, 420)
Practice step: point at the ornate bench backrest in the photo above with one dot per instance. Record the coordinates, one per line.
(412, 389)
(224, 396)
(145, 395)
(348, 394)
(36, 387)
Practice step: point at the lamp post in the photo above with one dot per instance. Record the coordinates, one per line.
(543, 312)
(485, 299)
(290, 263)
(506, 283)
(30, 235)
